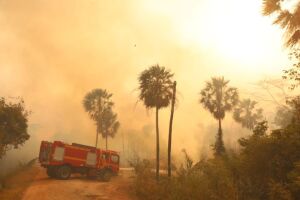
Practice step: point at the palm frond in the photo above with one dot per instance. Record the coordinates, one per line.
(217, 97)
(287, 19)
(284, 19)
(96, 101)
(293, 39)
(109, 124)
(155, 87)
(270, 6)
(246, 114)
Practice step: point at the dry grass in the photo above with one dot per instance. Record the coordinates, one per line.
(16, 183)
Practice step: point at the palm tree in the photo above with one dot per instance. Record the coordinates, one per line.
(171, 128)
(95, 103)
(218, 98)
(245, 114)
(110, 124)
(155, 87)
(288, 19)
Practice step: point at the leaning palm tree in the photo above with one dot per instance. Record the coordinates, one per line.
(171, 127)
(218, 98)
(95, 103)
(155, 87)
(287, 18)
(110, 124)
(246, 114)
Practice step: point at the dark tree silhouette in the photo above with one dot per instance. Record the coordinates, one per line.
(13, 125)
(293, 73)
(155, 87)
(294, 104)
(218, 98)
(287, 19)
(171, 128)
(96, 103)
(246, 114)
(110, 124)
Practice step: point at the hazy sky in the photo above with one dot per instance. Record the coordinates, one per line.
(53, 52)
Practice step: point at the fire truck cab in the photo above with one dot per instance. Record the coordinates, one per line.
(61, 160)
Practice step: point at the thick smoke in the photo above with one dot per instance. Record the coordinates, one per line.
(53, 52)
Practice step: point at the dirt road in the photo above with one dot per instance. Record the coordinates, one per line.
(77, 187)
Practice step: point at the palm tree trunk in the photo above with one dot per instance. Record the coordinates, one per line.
(96, 138)
(170, 130)
(106, 141)
(157, 146)
(220, 127)
(219, 146)
(98, 120)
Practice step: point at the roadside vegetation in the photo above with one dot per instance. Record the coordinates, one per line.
(266, 167)
(13, 125)
(13, 184)
(267, 164)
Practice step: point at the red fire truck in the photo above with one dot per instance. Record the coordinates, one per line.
(61, 160)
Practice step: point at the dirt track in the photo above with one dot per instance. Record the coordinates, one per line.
(119, 188)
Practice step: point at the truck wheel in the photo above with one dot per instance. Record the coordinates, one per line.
(63, 172)
(51, 172)
(106, 176)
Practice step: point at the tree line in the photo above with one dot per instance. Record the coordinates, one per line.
(268, 164)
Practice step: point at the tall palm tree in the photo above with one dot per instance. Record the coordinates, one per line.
(95, 103)
(288, 19)
(155, 87)
(218, 98)
(245, 114)
(171, 128)
(110, 124)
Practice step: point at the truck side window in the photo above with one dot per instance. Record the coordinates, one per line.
(105, 156)
(115, 158)
(59, 153)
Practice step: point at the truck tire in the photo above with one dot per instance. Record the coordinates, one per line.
(106, 175)
(63, 172)
(51, 172)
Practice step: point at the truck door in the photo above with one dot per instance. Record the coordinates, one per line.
(115, 159)
(105, 159)
(45, 151)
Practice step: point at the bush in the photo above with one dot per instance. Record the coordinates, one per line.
(266, 168)
(20, 167)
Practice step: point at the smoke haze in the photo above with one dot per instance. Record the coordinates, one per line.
(53, 52)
